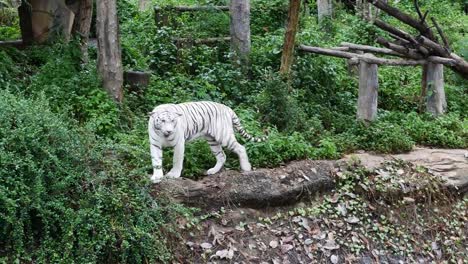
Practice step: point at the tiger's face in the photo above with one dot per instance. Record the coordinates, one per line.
(165, 123)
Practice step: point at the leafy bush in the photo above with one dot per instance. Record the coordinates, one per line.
(64, 201)
(277, 106)
(72, 88)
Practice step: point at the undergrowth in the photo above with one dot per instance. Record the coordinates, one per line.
(74, 165)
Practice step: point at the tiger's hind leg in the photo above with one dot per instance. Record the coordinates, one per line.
(237, 148)
(218, 152)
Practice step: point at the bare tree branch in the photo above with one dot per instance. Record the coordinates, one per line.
(406, 52)
(405, 18)
(441, 33)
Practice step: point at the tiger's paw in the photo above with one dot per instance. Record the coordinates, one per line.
(212, 171)
(173, 174)
(157, 176)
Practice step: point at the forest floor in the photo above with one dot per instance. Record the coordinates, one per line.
(383, 209)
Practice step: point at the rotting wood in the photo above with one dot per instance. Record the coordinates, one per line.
(287, 55)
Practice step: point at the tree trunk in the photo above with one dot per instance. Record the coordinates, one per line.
(239, 11)
(366, 10)
(109, 50)
(423, 88)
(368, 91)
(144, 5)
(435, 93)
(24, 12)
(82, 25)
(324, 9)
(290, 36)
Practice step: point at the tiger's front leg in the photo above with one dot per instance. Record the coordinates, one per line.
(178, 160)
(156, 161)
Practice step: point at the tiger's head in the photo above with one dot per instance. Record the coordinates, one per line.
(165, 122)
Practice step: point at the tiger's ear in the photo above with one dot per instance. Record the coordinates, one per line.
(151, 113)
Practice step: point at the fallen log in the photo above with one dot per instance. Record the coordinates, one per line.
(395, 31)
(403, 51)
(372, 49)
(193, 8)
(256, 189)
(375, 60)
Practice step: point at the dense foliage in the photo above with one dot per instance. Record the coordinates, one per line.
(73, 165)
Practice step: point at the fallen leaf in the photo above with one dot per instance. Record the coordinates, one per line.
(273, 244)
(330, 245)
(285, 248)
(189, 243)
(334, 259)
(288, 239)
(342, 209)
(352, 220)
(334, 198)
(225, 254)
(206, 245)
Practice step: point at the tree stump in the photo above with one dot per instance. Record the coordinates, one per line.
(435, 94)
(368, 91)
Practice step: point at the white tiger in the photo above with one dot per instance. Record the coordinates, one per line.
(171, 125)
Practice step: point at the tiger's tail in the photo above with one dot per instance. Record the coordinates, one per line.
(237, 125)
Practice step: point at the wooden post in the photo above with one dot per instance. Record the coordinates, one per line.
(289, 38)
(24, 12)
(239, 11)
(324, 9)
(435, 93)
(368, 91)
(109, 51)
(143, 5)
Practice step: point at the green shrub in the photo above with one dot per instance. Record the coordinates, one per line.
(277, 106)
(65, 198)
(383, 137)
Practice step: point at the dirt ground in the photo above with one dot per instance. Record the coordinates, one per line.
(390, 211)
